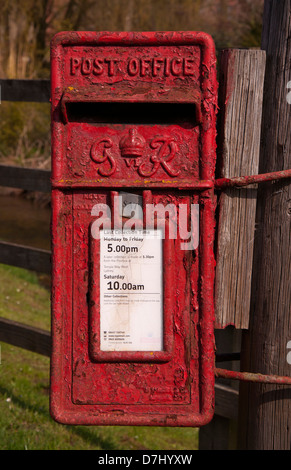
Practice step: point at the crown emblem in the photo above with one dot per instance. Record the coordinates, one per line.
(132, 144)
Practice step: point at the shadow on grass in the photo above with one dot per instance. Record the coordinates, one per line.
(86, 434)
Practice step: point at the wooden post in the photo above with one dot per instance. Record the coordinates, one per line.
(265, 410)
(221, 432)
(239, 121)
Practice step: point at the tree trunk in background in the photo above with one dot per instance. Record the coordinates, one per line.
(129, 16)
(265, 410)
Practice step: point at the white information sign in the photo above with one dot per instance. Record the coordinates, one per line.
(131, 290)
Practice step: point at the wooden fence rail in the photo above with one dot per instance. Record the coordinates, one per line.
(25, 336)
(37, 91)
(29, 179)
(34, 259)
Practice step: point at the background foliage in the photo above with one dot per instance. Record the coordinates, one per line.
(27, 26)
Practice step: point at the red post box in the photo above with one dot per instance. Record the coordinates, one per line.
(133, 160)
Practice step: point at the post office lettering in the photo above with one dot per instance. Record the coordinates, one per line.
(134, 67)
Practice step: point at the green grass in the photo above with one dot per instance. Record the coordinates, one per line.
(23, 298)
(25, 422)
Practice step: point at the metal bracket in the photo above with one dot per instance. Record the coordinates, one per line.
(240, 181)
(252, 377)
(237, 182)
(247, 376)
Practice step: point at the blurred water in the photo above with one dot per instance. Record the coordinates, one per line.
(24, 222)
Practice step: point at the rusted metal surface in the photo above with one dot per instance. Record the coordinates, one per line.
(252, 377)
(133, 110)
(239, 181)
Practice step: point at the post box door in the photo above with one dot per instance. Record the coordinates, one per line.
(133, 119)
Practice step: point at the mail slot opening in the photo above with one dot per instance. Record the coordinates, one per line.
(181, 114)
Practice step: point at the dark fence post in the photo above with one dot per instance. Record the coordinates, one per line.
(265, 410)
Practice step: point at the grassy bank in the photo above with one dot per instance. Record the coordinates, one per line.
(25, 422)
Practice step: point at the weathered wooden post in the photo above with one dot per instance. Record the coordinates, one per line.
(265, 410)
(239, 124)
